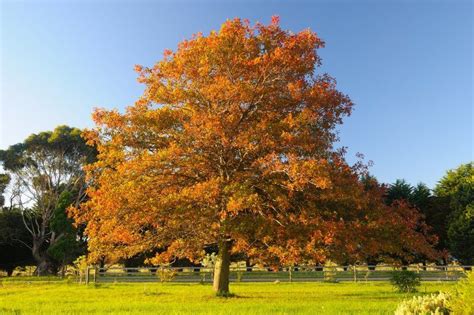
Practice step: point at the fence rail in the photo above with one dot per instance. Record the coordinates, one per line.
(262, 274)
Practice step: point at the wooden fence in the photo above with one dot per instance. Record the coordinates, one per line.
(262, 274)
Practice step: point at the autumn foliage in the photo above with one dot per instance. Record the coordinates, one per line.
(232, 144)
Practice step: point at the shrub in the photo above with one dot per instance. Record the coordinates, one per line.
(330, 272)
(240, 275)
(462, 301)
(434, 304)
(405, 280)
(166, 274)
(80, 267)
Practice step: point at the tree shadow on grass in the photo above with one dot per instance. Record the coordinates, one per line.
(155, 293)
(230, 296)
(361, 296)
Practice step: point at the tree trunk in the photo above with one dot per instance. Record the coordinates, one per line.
(221, 269)
(43, 268)
(10, 270)
(44, 265)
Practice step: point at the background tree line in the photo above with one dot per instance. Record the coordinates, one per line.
(44, 175)
(448, 209)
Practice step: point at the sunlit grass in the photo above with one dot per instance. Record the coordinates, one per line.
(174, 298)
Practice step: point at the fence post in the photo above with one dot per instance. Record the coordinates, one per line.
(290, 274)
(95, 274)
(355, 273)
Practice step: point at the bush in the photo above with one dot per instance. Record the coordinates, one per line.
(80, 267)
(462, 301)
(405, 280)
(166, 274)
(434, 304)
(330, 272)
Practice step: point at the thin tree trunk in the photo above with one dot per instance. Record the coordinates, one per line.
(221, 269)
(10, 270)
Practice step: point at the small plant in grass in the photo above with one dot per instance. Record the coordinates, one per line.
(405, 280)
(367, 275)
(80, 266)
(70, 279)
(207, 262)
(240, 275)
(202, 276)
(433, 304)
(330, 272)
(166, 274)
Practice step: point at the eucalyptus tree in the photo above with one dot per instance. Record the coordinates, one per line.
(43, 168)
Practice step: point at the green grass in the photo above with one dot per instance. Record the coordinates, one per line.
(174, 298)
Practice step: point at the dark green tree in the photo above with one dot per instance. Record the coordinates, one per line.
(420, 196)
(400, 190)
(436, 211)
(72, 244)
(42, 169)
(15, 241)
(457, 187)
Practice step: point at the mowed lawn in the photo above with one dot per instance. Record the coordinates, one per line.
(175, 298)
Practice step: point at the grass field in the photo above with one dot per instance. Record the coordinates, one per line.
(174, 298)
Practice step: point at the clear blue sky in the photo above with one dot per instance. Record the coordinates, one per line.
(407, 65)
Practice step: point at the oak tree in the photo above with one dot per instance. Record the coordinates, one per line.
(231, 145)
